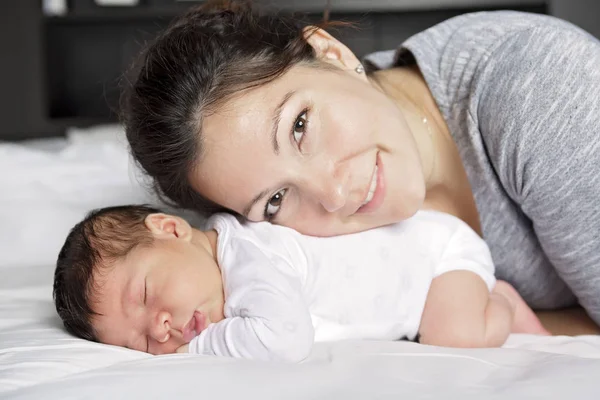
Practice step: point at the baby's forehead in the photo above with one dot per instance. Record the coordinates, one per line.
(108, 284)
(99, 289)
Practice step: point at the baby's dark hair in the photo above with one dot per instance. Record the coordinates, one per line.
(205, 57)
(104, 236)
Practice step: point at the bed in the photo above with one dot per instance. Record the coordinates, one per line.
(46, 186)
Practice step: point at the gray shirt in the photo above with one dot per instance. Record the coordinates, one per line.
(521, 96)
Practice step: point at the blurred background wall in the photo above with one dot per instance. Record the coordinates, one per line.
(62, 59)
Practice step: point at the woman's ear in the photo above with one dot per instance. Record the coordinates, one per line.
(164, 226)
(329, 49)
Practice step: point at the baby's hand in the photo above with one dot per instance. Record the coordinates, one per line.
(183, 349)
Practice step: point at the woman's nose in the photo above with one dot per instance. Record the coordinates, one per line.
(334, 196)
(161, 327)
(331, 187)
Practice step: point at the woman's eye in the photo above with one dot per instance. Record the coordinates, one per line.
(274, 204)
(300, 126)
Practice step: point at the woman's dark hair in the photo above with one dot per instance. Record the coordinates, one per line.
(200, 61)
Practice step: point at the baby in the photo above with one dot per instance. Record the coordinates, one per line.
(132, 276)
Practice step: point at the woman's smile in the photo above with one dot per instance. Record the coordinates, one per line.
(376, 191)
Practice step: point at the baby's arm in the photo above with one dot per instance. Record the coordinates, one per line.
(269, 329)
(268, 318)
(460, 311)
(525, 320)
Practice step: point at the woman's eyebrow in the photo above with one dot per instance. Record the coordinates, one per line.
(277, 118)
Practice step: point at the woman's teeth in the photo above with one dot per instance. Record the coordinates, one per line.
(372, 188)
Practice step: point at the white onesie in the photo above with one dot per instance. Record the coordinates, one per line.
(284, 290)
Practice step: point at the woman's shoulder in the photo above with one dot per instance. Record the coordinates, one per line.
(450, 53)
(468, 29)
(498, 23)
(463, 41)
(535, 103)
(482, 30)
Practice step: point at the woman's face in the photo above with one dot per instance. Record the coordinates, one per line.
(324, 152)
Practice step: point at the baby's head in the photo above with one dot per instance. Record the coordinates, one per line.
(135, 277)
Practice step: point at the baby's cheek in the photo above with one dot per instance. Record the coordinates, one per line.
(169, 347)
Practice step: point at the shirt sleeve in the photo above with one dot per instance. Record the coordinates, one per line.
(539, 116)
(466, 251)
(268, 318)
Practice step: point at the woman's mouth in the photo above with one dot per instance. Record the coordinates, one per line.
(376, 192)
(194, 326)
(372, 187)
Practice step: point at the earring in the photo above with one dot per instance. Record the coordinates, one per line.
(359, 69)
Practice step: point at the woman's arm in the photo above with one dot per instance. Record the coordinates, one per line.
(544, 89)
(570, 322)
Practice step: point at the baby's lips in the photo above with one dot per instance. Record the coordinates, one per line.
(188, 336)
(189, 331)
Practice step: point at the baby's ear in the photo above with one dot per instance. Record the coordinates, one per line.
(164, 226)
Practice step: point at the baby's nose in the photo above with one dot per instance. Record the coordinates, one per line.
(162, 327)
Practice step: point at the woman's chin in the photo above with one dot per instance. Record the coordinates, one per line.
(410, 203)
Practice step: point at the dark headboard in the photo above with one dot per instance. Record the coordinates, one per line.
(62, 71)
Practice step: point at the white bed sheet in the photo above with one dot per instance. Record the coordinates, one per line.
(44, 190)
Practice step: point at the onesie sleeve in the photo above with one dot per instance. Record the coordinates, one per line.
(267, 318)
(466, 251)
(539, 115)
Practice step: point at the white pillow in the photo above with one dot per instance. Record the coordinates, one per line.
(44, 192)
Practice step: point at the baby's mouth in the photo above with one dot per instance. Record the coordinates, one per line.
(193, 328)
